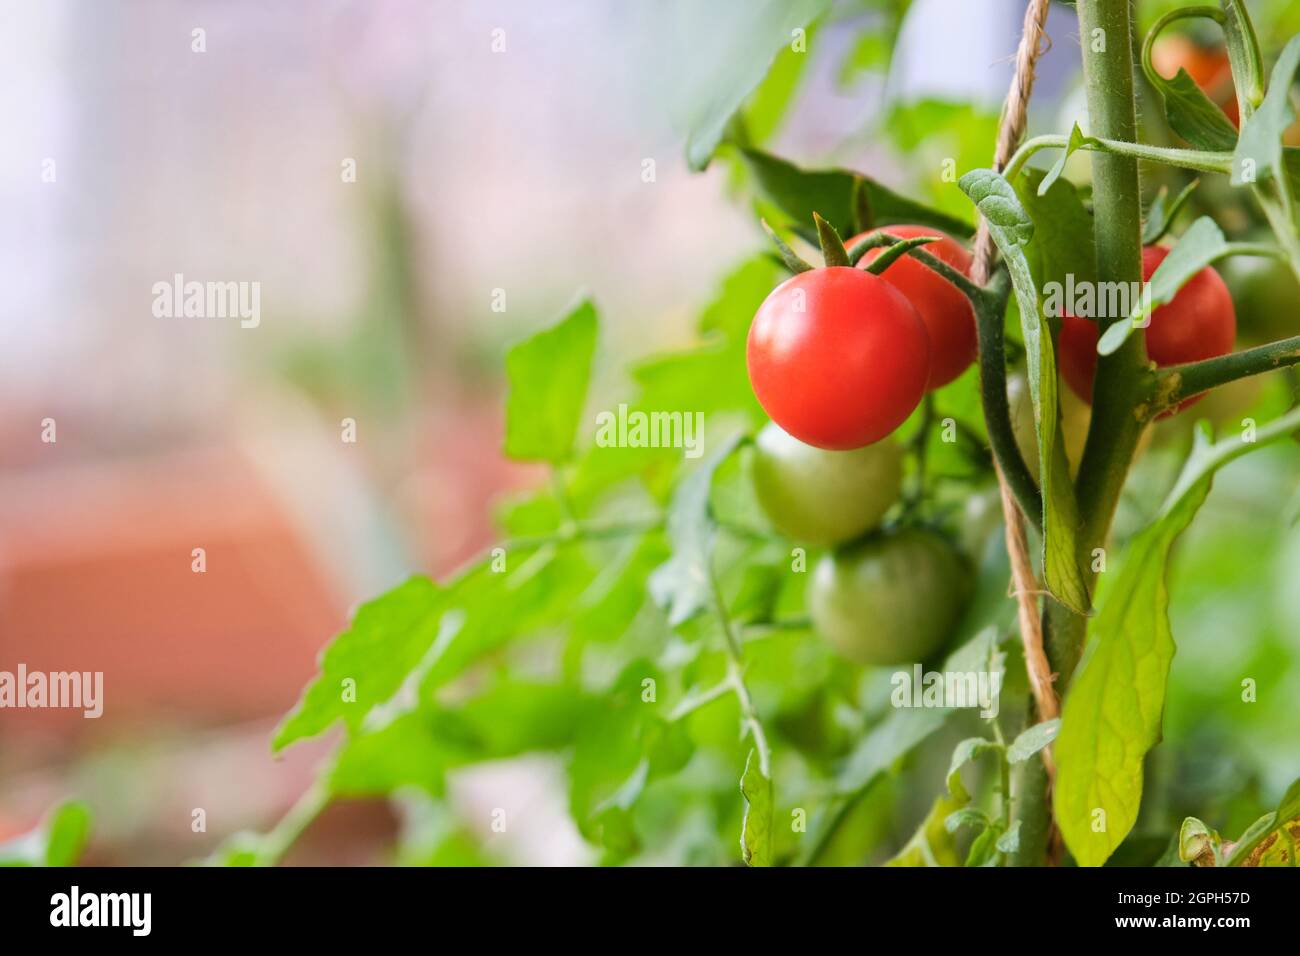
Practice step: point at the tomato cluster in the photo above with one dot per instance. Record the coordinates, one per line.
(839, 357)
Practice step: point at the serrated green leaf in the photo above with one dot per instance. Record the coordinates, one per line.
(965, 752)
(1033, 739)
(1011, 230)
(682, 585)
(1113, 712)
(1062, 245)
(1076, 142)
(966, 817)
(902, 730)
(839, 196)
(1192, 114)
(548, 375)
(386, 640)
(756, 834)
(417, 637)
(415, 748)
(984, 848)
(1280, 821)
(1009, 842)
(932, 844)
(1162, 213)
(742, 38)
(1258, 153)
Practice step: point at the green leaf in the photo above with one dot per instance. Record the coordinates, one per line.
(417, 637)
(387, 638)
(1011, 230)
(769, 104)
(742, 291)
(415, 748)
(1192, 114)
(965, 752)
(1281, 820)
(1009, 842)
(903, 729)
(1200, 245)
(756, 834)
(548, 375)
(1161, 216)
(840, 196)
(738, 41)
(57, 841)
(1076, 142)
(1258, 154)
(1033, 739)
(682, 585)
(618, 750)
(984, 848)
(932, 844)
(971, 817)
(1113, 712)
(1062, 243)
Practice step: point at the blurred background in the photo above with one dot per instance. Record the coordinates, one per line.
(414, 185)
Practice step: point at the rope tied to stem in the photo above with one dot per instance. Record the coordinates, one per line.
(1011, 129)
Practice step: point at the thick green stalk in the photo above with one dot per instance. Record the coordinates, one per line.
(1117, 208)
(1122, 379)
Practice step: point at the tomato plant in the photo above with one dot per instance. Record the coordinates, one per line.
(655, 597)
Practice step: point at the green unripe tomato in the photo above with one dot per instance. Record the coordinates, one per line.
(893, 598)
(824, 497)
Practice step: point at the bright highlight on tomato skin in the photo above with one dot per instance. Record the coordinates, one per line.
(1199, 323)
(945, 310)
(838, 357)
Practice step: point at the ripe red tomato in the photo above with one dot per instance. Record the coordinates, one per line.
(1199, 323)
(838, 357)
(946, 312)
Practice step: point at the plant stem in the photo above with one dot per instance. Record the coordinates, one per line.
(291, 826)
(735, 677)
(989, 309)
(1120, 380)
(1180, 382)
(1205, 161)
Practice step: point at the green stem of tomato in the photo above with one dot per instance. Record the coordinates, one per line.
(1176, 383)
(1204, 161)
(1121, 382)
(990, 306)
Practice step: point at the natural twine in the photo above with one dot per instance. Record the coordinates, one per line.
(1011, 128)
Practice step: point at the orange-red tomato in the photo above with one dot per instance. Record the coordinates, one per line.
(1199, 323)
(838, 357)
(946, 312)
